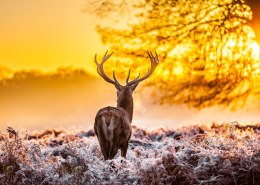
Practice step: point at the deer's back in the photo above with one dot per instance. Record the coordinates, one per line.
(117, 123)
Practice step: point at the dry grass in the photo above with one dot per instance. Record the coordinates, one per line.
(223, 154)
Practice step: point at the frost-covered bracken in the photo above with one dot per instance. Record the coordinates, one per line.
(221, 154)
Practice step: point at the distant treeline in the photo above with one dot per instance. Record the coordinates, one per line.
(30, 77)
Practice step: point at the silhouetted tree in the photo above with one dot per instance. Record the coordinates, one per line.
(206, 47)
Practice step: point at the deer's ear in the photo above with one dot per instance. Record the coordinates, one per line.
(134, 86)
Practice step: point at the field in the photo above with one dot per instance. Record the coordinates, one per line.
(220, 154)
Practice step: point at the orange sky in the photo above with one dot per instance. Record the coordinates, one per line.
(46, 34)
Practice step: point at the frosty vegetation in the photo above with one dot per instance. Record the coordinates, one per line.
(222, 154)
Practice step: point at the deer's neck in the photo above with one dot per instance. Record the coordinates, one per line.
(127, 103)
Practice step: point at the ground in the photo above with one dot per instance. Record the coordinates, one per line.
(220, 154)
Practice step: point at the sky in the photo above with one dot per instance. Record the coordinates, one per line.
(46, 34)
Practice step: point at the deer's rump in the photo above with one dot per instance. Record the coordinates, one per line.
(112, 127)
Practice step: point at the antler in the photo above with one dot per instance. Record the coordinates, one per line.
(102, 73)
(154, 62)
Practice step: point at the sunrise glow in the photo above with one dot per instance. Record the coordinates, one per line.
(255, 50)
(178, 70)
(45, 35)
(54, 37)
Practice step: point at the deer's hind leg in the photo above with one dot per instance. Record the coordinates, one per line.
(113, 137)
(113, 150)
(104, 149)
(124, 146)
(104, 145)
(103, 142)
(124, 149)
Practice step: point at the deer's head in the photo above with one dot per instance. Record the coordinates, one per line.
(127, 90)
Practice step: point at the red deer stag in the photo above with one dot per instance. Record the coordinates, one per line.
(113, 124)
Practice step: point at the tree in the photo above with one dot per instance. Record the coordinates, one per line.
(206, 48)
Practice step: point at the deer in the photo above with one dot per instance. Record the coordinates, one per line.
(113, 124)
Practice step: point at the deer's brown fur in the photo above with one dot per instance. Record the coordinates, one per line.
(113, 124)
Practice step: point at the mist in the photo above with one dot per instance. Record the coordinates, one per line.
(70, 99)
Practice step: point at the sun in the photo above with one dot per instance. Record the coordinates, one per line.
(178, 70)
(255, 50)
